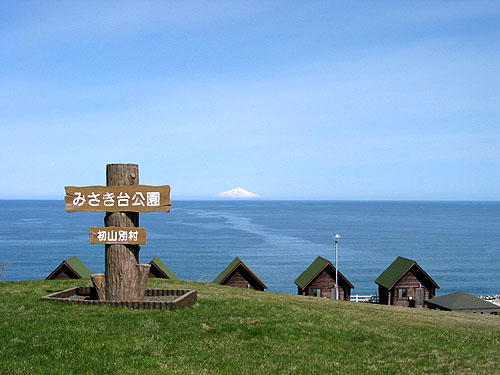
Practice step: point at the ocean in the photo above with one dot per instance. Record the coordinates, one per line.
(456, 243)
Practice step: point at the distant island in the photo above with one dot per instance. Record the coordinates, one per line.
(239, 192)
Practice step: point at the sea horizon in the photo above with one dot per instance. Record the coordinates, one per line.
(277, 239)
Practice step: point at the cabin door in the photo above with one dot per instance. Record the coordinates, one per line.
(419, 296)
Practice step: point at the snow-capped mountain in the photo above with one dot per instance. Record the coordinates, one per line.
(237, 193)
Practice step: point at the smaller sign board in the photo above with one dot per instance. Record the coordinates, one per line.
(117, 235)
(130, 198)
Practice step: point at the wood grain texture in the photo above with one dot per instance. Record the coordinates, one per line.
(411, 282)
(242, 279)
(116, 235)
(134, 198)
(122, 174)
(123, 275)
(98, 282)
(326, 283)
(142, 281)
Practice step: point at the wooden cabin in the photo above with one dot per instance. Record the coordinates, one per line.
(319, 280)
(71, 268)
(464, 302)
(238, 274)
(405, 283)
(160, 270)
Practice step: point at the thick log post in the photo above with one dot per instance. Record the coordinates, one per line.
(125, 279)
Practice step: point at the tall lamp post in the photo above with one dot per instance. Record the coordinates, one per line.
(336, 239)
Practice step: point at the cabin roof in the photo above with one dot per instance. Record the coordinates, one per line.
(314, 269)
(397, 270)
(76, 265)
(237, 262)
(461, 301)
(163, 268)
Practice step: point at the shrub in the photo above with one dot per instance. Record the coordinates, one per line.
(3, 265)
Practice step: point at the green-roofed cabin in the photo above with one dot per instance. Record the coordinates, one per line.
(319, 280)
(238, 274)
(464, 302)
(405, 283)
(160, 270)
(71, 268)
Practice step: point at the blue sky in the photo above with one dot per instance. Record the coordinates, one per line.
(290, 100)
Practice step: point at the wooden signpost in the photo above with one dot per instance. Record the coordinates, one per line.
(117, 235)
(122, 199)
(135, 198)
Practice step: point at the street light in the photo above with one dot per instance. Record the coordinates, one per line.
(336, 239)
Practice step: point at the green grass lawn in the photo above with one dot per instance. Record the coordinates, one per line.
(237, 331)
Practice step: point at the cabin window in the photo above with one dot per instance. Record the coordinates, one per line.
(317, 292)
(402, 293)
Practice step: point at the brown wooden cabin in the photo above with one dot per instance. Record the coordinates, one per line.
(319, 280)
(238, 274)
(405, 283)
(160, 270)
(71, 268)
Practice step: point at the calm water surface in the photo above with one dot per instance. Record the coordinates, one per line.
(457, 243)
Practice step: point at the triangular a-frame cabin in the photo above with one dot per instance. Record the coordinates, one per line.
(319, 280)
(461, 301)
(160, 270)
(71, 268)
(238, 274)
(405, 283)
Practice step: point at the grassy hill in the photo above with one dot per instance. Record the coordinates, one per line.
(238, 331)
